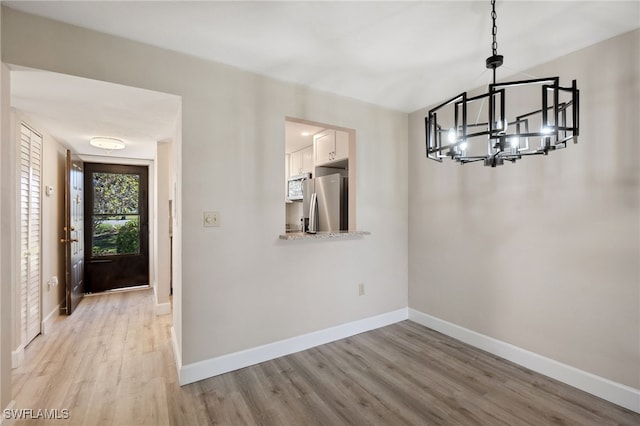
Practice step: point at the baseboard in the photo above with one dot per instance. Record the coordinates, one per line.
(163, 308)
(47, 322)
(614, 392)
(177, 356)
(17, 357)
(160, 308)
(4, 421)
(223, 364)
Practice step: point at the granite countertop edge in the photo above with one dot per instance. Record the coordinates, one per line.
(322, 235)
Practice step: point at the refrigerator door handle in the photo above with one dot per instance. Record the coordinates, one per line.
(313, 214)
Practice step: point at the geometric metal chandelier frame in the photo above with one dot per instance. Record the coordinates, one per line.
(531, 127)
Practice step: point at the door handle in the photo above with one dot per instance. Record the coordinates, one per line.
(73, 240)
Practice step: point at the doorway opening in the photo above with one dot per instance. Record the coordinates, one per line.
(313, 152)
(63, 109)
(116, 226)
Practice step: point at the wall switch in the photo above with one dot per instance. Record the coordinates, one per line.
(361, 289)
(211, 219)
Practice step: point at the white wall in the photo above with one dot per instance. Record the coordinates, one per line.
(240, 286)
(543, 254)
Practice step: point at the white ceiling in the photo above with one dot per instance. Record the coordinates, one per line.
(299, 135)
(74, 109)
(400, 55)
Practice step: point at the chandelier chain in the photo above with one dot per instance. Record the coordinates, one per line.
(494, 31)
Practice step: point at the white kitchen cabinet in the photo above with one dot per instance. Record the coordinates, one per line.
(296, 163)
(307, 159)
(342, 146)
(301, 161)
(330, 146)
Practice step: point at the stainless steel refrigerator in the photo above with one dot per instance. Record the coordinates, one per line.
(329, 210)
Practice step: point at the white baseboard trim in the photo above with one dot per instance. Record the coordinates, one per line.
(160, 308)
(17, 357)
(3, 420)
(177, 356)
(163, 308)
(223, 364)
(47, 322)
(614, 392)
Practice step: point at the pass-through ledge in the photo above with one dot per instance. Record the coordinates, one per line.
(322, 235)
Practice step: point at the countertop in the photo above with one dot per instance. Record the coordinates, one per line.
(322, 235)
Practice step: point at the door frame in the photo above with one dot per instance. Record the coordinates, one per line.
(122, 269)
(151, 206)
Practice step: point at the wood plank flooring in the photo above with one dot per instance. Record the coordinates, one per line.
(111, 363)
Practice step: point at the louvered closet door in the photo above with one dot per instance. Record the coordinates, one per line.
(30, 230)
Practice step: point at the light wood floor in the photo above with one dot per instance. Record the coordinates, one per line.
(111, 363)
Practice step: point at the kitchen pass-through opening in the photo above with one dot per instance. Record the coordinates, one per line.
(319, 159)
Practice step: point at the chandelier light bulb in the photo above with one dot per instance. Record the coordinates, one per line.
(452, 135)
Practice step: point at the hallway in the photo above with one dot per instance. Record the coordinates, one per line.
(111, 362)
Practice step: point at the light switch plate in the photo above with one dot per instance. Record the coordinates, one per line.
(211, 219)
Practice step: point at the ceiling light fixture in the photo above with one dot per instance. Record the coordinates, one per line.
(107, 143)
(529, 129)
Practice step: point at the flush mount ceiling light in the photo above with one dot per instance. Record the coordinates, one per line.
(107, 143)
(542, 117)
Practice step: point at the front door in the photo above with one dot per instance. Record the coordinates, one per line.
(73, 233)
(117, 232)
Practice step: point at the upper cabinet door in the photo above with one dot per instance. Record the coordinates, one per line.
(324, 146)
(296, 163)
(341, 150)
(301, 161)
(307, 159)
(331, 146)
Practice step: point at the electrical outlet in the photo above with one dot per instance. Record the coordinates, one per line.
(361, 289)
(211, 219)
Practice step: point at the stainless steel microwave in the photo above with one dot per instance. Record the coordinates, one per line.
(295, 185)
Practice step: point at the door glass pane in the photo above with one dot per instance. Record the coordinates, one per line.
(116, 219)
(115, 193)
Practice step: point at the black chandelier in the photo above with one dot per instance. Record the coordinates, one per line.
(451, 130)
